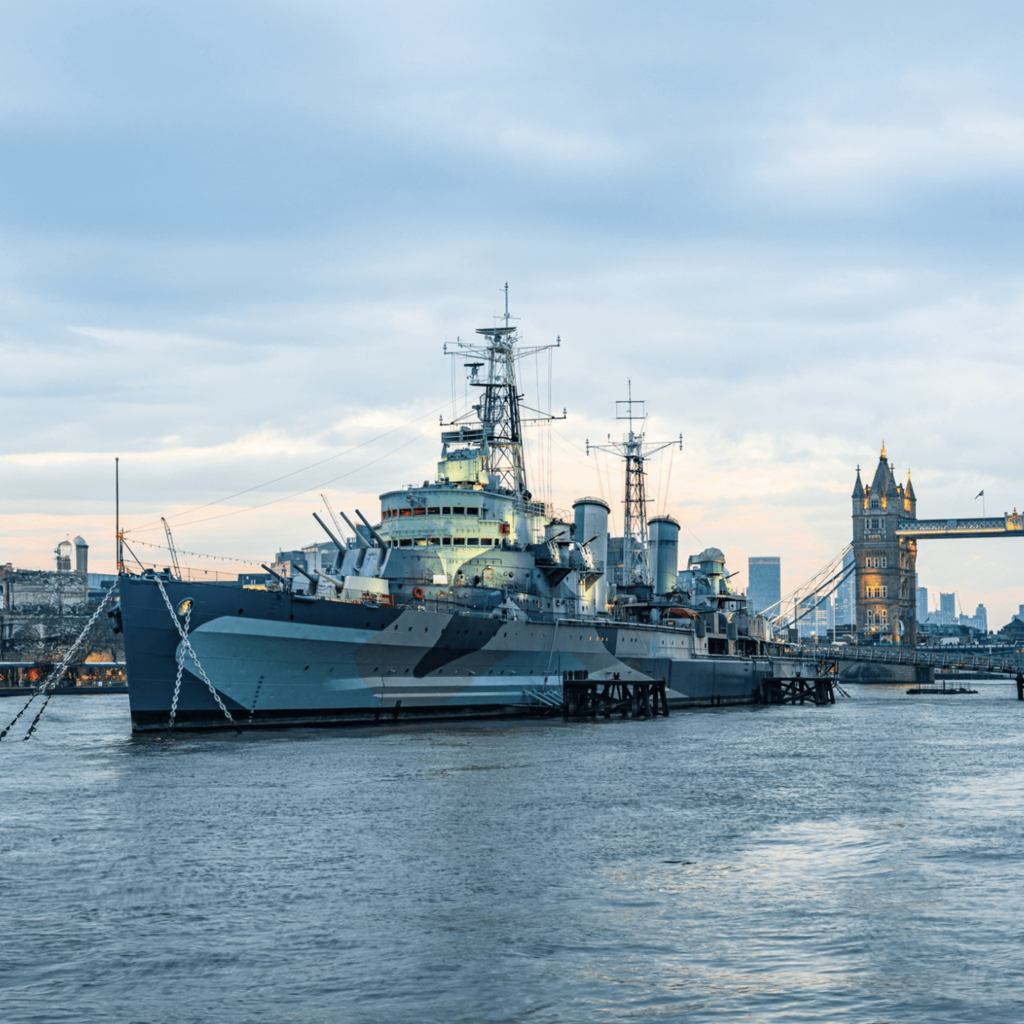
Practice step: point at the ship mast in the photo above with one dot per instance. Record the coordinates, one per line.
(500, 431)
(634, 450)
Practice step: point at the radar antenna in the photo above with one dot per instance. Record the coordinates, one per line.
(498, 432)
(635, 450)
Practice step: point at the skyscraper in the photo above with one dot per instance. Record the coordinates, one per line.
(947, 608)
(765, 587)
(922, 604)
(814, 616)
(846, 597)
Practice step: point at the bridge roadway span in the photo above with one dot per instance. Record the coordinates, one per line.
(993, 526)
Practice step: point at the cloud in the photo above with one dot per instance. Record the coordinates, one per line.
(235, 238)
(862, 164)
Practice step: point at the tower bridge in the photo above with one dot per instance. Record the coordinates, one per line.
(885, 535)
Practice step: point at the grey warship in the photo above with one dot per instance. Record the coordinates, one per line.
(466, 598)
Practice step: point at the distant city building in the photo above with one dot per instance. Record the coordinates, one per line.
(978, 621)
(313, 558)
(947, 609)
(43, 612)
(1013, 631)
(846, 597)
(814, 616)
(765, 582)
(922, 604)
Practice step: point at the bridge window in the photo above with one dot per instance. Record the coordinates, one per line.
(434, 511)
(875, 503)
(874, 524)
(877, 591)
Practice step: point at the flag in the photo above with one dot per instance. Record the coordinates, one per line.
(980, 494)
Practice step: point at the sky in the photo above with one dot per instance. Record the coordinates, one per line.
(234, 238)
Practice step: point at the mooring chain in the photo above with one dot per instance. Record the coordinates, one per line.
(187, 647)
(51, 681)
(181, 669)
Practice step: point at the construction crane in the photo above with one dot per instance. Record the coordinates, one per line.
(334, 518)
(337, 527)
(171, 548)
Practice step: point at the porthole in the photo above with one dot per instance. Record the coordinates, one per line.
(185, 606)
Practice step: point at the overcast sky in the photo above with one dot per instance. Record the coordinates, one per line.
(235, 236)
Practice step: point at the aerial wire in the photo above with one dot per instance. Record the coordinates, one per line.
(303, 469)
(297, 494)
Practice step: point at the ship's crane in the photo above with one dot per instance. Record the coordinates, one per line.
(171, 548)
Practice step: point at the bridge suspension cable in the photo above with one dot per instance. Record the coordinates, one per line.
(820, 585)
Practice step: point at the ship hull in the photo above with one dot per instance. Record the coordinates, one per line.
(276, 659)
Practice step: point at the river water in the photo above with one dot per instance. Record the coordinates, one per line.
(863, 862)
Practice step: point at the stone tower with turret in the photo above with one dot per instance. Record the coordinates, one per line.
(884, 561)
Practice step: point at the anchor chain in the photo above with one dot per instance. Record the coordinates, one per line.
(186, 647)
(181, 668)
(51, 681)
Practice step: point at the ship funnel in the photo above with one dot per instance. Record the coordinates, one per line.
(591, 518)
(664, 534)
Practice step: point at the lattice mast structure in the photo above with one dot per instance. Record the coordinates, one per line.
(499, 432)
(634, 449)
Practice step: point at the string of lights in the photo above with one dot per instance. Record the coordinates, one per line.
(199, 554)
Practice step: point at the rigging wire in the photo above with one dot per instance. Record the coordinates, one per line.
(551, 475)
(314, 487)
(298, 494)
(303, 469)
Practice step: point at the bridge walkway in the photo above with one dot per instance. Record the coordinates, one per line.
(1011, 662)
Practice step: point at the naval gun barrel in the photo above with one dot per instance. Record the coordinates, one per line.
(276, 575)
(376, 536)
(327, 530)
(309, 576)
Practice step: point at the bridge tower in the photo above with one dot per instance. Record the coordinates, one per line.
(885, 561)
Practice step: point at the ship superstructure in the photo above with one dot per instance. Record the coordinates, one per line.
(474, 538)
(467, 596)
